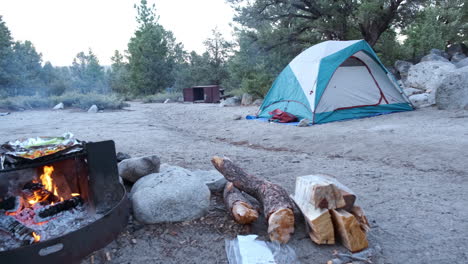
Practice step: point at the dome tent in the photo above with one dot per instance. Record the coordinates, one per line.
(335, 80)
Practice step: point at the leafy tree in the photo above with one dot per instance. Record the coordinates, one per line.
(87, 74)
(25, 66)
(152, 53)
(440, 24)
(118, 76)
(6, 51)
(218, 50)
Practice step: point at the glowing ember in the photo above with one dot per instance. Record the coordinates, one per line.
(37, 237)
(75, 194)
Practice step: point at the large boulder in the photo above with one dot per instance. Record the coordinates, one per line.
(212, 178)
(93, 109)
(434, 57)
(173, 195)
(134, 168)
(457, 48)
(453, 92)
(457, 57)
(258, 102)
(231, 101)
(59, 106)
(411, 91)
(402, 68)
(428, 75)
(462, 63)
(440, 53)
(420, 100)
(247, 99)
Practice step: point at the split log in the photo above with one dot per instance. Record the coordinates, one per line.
(277, 206)
(349, 231)
(240, 208)
(319, 224)
(324, 191)
(361, 218)
(59, 207)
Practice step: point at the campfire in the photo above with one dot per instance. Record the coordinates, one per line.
(39, 202)
(54, 194)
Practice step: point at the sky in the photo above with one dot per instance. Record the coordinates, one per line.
(59, 29)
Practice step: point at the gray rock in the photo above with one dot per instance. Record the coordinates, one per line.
(457, 57)
(134, 168)
(434, 57)
(247, 99)
(304, 122)
(440, 53)
(428, 75)
(237, 117)
(457, 48)
(122, 156)
(453, 93)
(402, 68)
(231, 101)
(411, 91)
(419, 100)
(167, 101)
(258, 102)
(173, 195)
(59, 106)
(462, 63)
(212, 178)
(93, 109)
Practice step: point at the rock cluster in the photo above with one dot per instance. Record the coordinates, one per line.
(439, 79)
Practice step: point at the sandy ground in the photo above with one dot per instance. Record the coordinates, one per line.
(409, 170)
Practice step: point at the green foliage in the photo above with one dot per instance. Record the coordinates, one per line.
(152, 54)
(436, 26)
(118, 75)
(78, 100)
(161, 97)
(87, 75)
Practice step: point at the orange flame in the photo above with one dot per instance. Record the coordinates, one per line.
(47, 182)
(75, 194)
(37, 237)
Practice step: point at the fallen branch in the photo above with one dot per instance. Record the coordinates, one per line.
(277, 206)
(240, 208)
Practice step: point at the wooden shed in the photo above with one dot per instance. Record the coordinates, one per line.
(203, 94)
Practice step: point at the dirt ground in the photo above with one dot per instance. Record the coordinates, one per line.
(409, 170)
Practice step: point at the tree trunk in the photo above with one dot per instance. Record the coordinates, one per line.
(240, 208)
(277, 205)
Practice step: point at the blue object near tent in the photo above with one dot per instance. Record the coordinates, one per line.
(335, 80)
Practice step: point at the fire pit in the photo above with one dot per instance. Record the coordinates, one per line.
(60, 208)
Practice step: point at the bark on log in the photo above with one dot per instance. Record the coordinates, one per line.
(240, 208)
(60, 207)
(277, 205)
(349, 231)
(17, 229)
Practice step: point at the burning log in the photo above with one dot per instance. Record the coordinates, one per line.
(17, 230)
(10, 204)
(60, 207)
(35, 192)
(277, 206)
(240, 208)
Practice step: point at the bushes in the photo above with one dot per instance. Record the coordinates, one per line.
(83, 101)
(161, 97)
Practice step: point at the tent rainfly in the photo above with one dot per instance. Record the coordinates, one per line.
(335, 80)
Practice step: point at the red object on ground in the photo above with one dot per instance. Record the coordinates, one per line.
(282, 117)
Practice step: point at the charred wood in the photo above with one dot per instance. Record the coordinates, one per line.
(60, 207)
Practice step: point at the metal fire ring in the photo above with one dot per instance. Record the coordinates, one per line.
(76, 245)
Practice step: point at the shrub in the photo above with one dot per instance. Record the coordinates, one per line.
(160, 97)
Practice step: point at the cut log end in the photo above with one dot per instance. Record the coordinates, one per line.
(349, 230)
(217, 162)
(281, 225)
(244, 213)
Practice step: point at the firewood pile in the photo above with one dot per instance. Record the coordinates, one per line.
(330, 212)
(328, 206)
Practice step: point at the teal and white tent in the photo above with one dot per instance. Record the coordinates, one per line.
(335, 80)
